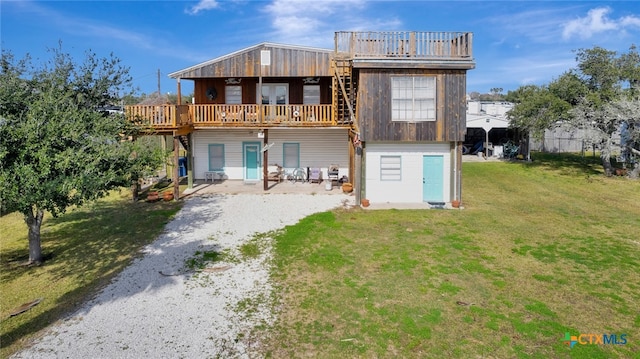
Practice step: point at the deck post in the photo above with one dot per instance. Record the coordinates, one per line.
(179, 92)
(176, 174)
(189, 163)
(357, 185)
(265, 161)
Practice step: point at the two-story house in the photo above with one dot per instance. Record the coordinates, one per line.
(388, 108)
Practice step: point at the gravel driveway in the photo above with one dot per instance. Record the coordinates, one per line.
(182, 314)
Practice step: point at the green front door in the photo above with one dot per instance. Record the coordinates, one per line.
(251, 161)
(432, 178)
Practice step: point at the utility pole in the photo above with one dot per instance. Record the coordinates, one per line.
(159, 93)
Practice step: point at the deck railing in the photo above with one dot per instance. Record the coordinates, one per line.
(156, 116)
(411, 44)
(171, 116)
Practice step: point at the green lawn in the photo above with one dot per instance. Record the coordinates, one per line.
(541, 249)
(84, 248)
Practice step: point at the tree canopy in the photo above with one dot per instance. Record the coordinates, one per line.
(56, 149)
(598, 96)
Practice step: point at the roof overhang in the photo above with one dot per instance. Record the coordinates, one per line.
(439, 63)
(486, 122)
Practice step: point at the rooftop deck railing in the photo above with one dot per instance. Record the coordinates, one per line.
(409, 44)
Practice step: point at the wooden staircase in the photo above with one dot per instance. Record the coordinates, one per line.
(184, 140)
(344, 98)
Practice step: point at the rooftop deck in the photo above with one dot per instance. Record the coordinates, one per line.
(404, 44)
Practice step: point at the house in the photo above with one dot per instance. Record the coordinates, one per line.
(388, 108)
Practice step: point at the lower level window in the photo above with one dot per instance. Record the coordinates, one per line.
(216, 157)
(390, 168)
(291, 155)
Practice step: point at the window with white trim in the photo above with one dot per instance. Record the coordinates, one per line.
(233, 95)
(290, 155)
(216, 157)
(413, 98)
(390, 168)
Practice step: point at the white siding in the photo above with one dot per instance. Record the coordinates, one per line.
(318, 148)
(409, 188)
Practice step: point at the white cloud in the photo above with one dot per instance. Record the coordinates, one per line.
(596, 21)
(630, 21)
(313, 23)
(202, 5)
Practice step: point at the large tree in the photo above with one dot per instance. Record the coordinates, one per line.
(598, 97)
(56, 149)
(611, 81)
(536, 109)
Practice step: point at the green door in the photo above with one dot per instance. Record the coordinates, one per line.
(432, 178)
(251, 161)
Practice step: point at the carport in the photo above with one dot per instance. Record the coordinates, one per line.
(492, 127)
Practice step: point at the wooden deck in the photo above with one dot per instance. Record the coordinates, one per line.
(165, 117)
(404, 44)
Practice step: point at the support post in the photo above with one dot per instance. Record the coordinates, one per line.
(358, 177)
(176, 174)
(179, 92)
(265, 161)
(189, 162)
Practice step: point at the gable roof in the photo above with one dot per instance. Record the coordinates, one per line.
(486, 122)
(286, 60)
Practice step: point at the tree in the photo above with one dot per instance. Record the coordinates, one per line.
(598, 96)
(536, 109)
(145, 156)
(496, 93)
(601, 111)
(56, 149)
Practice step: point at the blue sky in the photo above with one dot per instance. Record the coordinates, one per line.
(515, 42)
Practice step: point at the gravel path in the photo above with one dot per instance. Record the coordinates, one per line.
(144, 314)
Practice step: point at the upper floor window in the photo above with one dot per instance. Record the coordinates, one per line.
(311, 94)
(233, 95)
(413, 98)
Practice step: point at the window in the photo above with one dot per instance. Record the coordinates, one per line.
(413, 98)
(216, 157)
(290, 155)
(390, 168)
(311, 94)
(233, 95)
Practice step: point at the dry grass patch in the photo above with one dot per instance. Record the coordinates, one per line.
(84, 250)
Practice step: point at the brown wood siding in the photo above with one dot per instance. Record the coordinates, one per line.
(374, 107)
(285, 62)
(249, 86)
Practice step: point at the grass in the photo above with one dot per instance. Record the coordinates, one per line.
(541, 249)
(85, 248)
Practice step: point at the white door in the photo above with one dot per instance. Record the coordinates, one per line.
(275, 94)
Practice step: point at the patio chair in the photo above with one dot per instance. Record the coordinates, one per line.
(315, 175)
(333, 172)
(277, 175)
